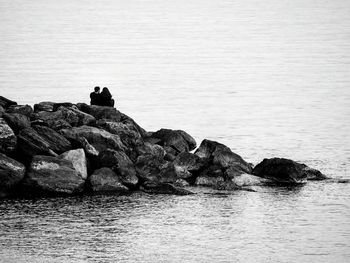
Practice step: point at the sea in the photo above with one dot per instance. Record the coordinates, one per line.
(267, 78)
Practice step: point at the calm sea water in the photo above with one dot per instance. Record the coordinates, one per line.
(267, 78)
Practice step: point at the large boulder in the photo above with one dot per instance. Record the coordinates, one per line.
(121, 164)
(100, 112)
(71, 115)
(105, 180)
(151, 149)
(90, 150)
(152, 168)
(30, 143)
(188, 165)
(281, 170)
(125, 119)
(26, 110)
(129, 135)
(99, 138)
(57, 142)
(210, 177)
(176, 139)
(43, 106)
(5, 102)
(17, 121)
(222, 156)
(78, 159)
(163, 188)
(8, 140)
(53, 175)
(11, 173)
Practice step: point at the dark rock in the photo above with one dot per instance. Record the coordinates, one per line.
(189, 139)
(173, 139)
(17, 121)
(8, 140)
(30, 143)
(221, 155)
(313, 174)
(128, 134)
(98, 138)
(151, 149)
(100, 112)
(56, 141)
(11, 173)
(78, 159)
(105, 180)
(52, 175)
(163, 188)
(72, 116)
(44, 106)
(188, 164)
(281, 170)
(125, 119)
(210, 176)
(149, 167)
(5, 103)
(56, 125)
(2, 111)
(120, 164)
(90, 150)
(55, 106)
(26, 110)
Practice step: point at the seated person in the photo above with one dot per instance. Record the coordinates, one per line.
(106, 98)
(95, 96)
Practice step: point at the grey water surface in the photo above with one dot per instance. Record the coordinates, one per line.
(266, 78)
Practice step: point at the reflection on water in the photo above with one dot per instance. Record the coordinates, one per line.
(272, 224)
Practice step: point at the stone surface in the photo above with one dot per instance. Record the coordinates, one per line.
(26, 110)
(120, 164)
(313, 174)
(8, 140)
(56, 141)
(125, 119)
(2, 111)
(30, 143)
(100, 112)
(43, 106)
(98, 138)
(72, 116)
(90, 150)
(17, 121)
(188, 164)
(281, 170)
(249, 180)
(53, 175)
(210, 176)
(221, 155)
(163, 188)
(105, 180)
(11, 172)
(173, 139)
(151, 149)
(78, 159)
(5, 102)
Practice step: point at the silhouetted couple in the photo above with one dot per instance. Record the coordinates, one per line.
(101, 99)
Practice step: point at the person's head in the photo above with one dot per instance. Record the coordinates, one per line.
(106, 91)
(97, 89)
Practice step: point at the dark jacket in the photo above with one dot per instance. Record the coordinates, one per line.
(95, 98)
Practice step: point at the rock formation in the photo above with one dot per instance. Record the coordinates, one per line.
(67, 149)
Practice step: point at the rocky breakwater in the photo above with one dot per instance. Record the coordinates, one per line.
(67, 149)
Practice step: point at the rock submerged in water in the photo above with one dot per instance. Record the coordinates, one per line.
(52, 175)
(11, 173)
(286, 171)
(68, 149)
